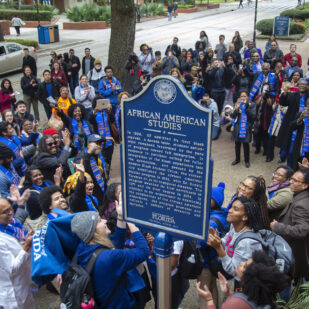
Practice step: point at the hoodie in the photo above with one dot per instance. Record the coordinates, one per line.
(111, 264)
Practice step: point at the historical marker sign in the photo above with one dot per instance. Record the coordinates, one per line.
(166, 164)
(282, 25)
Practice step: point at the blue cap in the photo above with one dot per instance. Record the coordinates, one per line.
(217, 193)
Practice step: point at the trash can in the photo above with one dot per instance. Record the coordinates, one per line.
(51, 34)
(43, 33)
(56, 33)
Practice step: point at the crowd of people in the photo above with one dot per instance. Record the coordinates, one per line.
(64, 171)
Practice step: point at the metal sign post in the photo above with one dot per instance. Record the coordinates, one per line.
(163, 249)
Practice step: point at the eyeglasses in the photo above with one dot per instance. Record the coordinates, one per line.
(245, 186)
(296, 180)
(256, 56)
(7, 211)
(51, 144)
(278, 175)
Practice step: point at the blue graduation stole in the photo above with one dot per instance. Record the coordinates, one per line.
(89, 202)
(75, 129)
(258, 83)
(305, 145)
(11, 174)
(15, 145)
(254, 67)
(96, 171)
(14, 229)
(117, 118)
(38, 188)
(37, 139)
(243, 122)
(301, 109)
(273, 121)
(103, 127)
(167, 64)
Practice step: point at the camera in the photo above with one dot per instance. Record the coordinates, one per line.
(144, 72)
(204, 103)
(200, 82)
(226, 114)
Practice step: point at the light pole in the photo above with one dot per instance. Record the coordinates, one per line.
(147, 9)
(37, 11)
(255, 16)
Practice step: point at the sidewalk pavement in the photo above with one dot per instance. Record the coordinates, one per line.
(76, 37)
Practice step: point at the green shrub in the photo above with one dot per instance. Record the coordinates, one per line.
(92, 12)
(34, 44)
(186, 6)
(153, 9)
(266, 27)
(296, 14)
(25, 15)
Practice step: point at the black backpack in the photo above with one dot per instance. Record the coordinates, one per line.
(191, 262)
(77, 284)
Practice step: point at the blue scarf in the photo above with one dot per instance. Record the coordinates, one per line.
(305, 145)
(75, 129)
(103, 127)
(258, 84)
(59, 212)
(117, 114)
(243, 122)
(96, 171)
(38, 188)
(271, 127)
(11, 174)
(301, 109)
(90, 200)
(15, 145)
(14, 229)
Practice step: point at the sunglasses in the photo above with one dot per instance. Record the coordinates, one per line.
(51, 144)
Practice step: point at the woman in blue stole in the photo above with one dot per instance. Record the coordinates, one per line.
(34, 180)
(81, 184)
(80, 129)
(244, 115)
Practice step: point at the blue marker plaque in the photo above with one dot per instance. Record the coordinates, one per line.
(282, 25)
(166, 164)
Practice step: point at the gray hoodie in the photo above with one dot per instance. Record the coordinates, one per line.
(242, 252)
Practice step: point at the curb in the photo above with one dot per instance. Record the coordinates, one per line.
(47, 50)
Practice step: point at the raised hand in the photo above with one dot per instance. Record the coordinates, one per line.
(15, 196)
(58, 176)
(206, 294)
(224, 285)
(80, 166)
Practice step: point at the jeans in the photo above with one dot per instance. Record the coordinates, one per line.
(169, 16)
(215, 132)
(73, 83)
(17, 28)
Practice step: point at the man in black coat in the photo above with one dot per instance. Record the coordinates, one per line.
(174, 48)
(29, 61)
(87, 62)
(48, 92)
(49, 158)
(75, 67)
(292, 100)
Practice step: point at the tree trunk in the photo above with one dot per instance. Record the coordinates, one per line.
(123, 19)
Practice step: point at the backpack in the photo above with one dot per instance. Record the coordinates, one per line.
(191, 262)
(222, 230)
(77, 287)
(274, 245)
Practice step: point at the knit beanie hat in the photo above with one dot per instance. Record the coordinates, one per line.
(50, 132)
(97, 61)
(217, 193)
(5, 151)
(84, 224)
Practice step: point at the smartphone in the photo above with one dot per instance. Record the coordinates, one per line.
(102, 104)
(241, 66)
(169, 54)
(265, 88)
(150, 49)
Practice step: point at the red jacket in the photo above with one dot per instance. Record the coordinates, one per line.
(59, 77)
(6, 101)
(287, 59)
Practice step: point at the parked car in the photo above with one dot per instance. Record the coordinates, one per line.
(11, 56)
